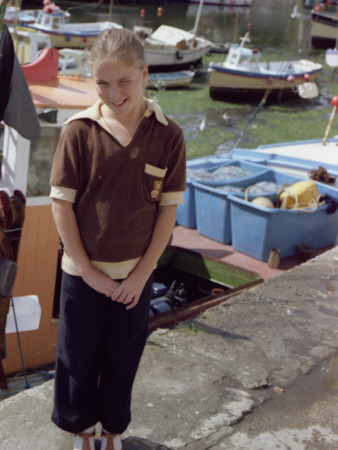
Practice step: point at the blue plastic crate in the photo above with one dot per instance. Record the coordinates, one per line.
(213, 212)
(186, 213)
(256, 170)
(256, 230)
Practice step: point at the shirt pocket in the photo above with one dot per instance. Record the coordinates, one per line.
(153, 182)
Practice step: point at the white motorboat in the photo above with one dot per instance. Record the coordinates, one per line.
(169, 48)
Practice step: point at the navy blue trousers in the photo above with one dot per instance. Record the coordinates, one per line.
(99, 348)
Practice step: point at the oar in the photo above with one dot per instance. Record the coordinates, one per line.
(334, 102)
(253, 115)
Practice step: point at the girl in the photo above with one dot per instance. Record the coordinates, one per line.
(117, 177)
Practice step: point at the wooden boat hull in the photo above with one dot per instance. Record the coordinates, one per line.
(231, 3)
(69, 40)
(170, 79)
(69, 35)
(66, 41)
(323, 29)
(226, 83)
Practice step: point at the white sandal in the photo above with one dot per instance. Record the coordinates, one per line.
(84, 441)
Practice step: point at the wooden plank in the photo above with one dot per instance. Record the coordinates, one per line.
(37, 263)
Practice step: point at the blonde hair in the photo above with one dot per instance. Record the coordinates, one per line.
(118, 43)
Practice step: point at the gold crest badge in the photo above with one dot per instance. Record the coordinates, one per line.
(157, 185)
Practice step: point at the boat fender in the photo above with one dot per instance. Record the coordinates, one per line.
(178, 55)
(299, 195)
(263, 201)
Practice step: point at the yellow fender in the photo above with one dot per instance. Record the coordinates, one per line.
(299, 195)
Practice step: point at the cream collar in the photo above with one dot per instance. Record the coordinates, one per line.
(93, 112)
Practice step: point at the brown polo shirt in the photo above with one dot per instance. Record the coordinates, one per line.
(116, 190)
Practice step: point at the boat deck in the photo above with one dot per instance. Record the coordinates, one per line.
(190, 239)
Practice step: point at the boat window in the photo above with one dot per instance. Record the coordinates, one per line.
(40, 162)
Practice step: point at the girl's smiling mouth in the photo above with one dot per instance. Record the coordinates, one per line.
(119, 103)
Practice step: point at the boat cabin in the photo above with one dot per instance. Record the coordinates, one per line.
(239, 55)
(51, 21)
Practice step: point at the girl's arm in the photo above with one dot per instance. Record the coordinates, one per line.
(131, 288)
(67, 227)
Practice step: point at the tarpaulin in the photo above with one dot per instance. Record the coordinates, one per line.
(17, 109)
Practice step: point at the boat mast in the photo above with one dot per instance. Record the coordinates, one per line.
(111, 10)
(244, 39)
(198, 15)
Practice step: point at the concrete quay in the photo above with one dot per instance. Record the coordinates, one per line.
(259, 371)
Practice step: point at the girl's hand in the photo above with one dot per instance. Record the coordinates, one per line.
(130, 290)
(100, 282)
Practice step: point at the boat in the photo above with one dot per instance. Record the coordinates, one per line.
(22, 17)
(243, 77)
(313, 3)
(165, 80)
(257, 203)
(324, 28)
(222, 3)
(172, 49)
(14, 14)
(297, 157)
(67, 34)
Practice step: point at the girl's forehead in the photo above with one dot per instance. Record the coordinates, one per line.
(111, 62)
(113, 67)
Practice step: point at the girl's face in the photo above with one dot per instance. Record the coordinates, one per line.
(120, 86)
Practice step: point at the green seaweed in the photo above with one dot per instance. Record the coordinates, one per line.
(211, 126)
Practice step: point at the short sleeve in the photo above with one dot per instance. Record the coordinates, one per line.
(175, 179)
(66, 165)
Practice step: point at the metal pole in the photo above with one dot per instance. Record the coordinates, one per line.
(198, 15)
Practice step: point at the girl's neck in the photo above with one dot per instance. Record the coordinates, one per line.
(123, 130)
(130, 120)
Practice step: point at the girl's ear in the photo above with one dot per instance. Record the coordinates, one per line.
(145, 74)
